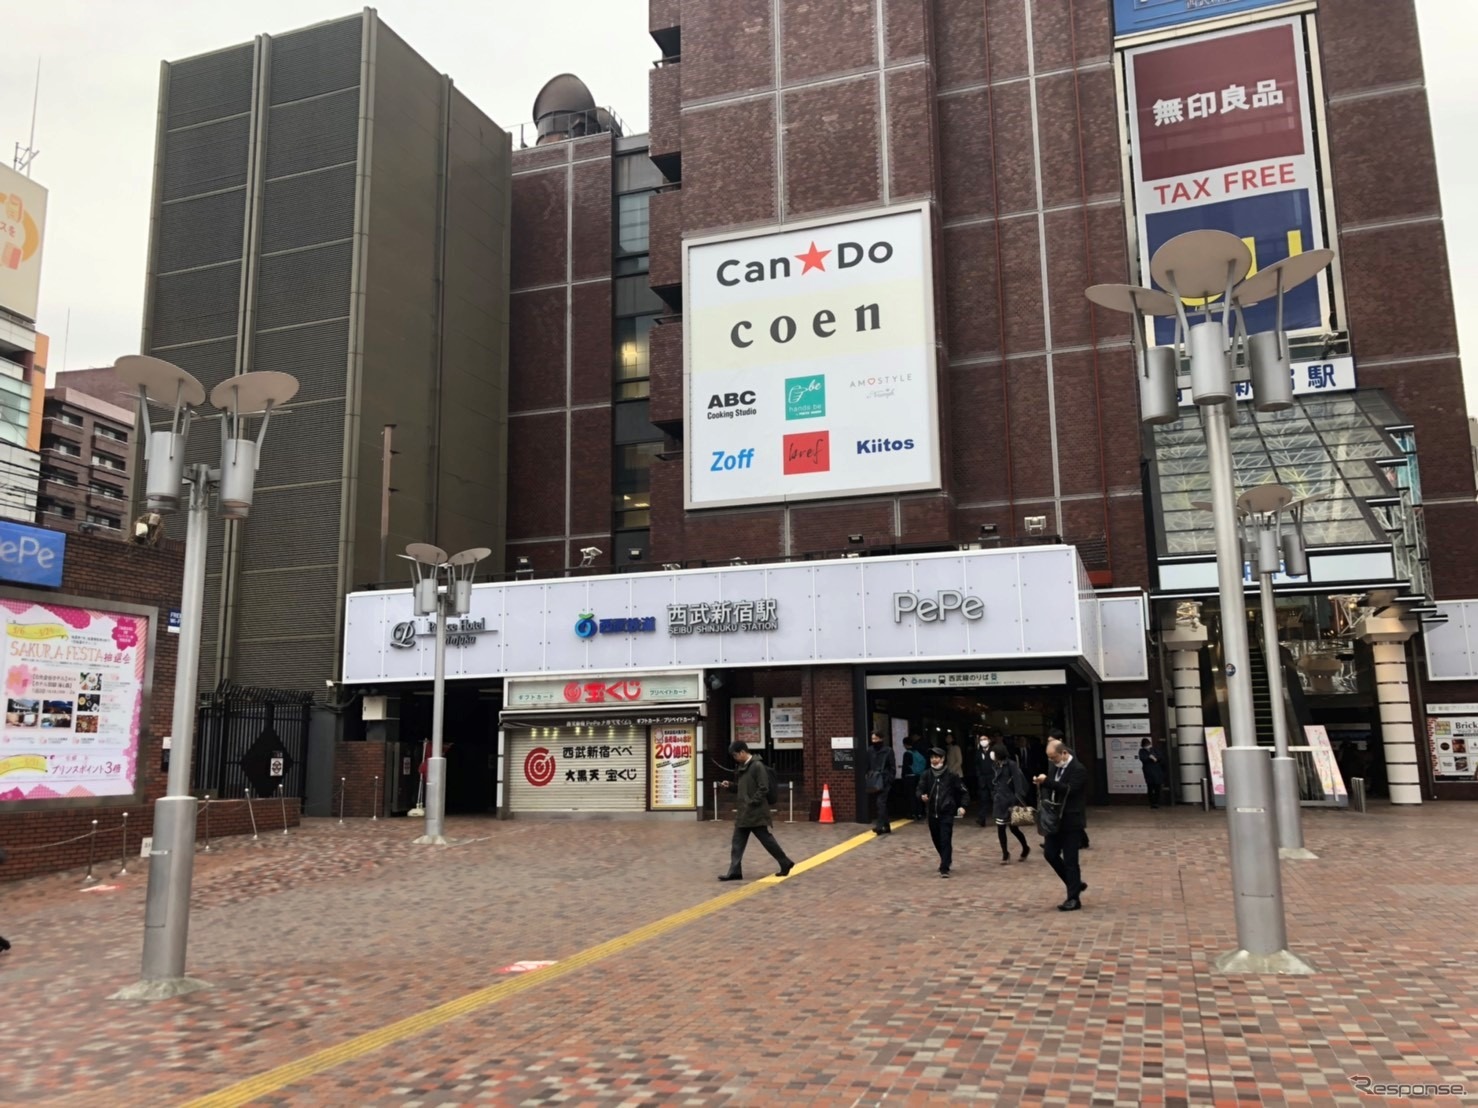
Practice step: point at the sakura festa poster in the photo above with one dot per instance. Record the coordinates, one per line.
(74, 683)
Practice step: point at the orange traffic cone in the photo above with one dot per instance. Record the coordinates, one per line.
(826, 816)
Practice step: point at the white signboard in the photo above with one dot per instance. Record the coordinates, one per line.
(1467, 709)
(786, 722)
(613, 691)
(1001, 678)
(22, 228)
(1125, 773)
(1309, 379)
(1131, 707)
(1126, 726)
(810, 361)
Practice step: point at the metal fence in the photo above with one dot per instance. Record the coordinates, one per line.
(252, 738)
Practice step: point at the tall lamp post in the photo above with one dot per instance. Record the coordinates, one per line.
(442, 588)
(1263, 510)
(1209, 269)
(169, 479)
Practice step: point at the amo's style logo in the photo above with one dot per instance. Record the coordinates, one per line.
(805, 397)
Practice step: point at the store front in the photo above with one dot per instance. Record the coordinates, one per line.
(621, 693)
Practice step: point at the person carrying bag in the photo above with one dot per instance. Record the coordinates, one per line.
(881, 770)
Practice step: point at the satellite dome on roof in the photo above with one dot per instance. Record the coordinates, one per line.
(564, 109)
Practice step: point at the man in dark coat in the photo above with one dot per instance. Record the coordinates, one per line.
(881, 771)
(1154, 771)
(943, 795)
(1065, 787)
(753, 814)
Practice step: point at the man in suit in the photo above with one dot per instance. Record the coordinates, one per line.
(1066, 784)
(1154, 772)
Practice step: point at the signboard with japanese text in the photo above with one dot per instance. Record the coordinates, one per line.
(74, 692)
(1038, 604)
(22, 230)
(747, 721)
(1125, 773)
(810, 361)
(578, 769)
(615, 690)
(1137, 17)
(787, 723)
(1454, 746)
(674, 767)
(967, 680)
(1222, 138)
(1309, 379)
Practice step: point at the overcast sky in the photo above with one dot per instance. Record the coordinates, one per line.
(99, 88)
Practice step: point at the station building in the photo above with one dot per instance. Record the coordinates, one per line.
(811, 430)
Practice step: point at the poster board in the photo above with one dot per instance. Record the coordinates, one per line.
(1453, 741)
(747, 721)
(1216, 744)
(787, 723)
(674, 767)
(1330, 779)
(74, 699)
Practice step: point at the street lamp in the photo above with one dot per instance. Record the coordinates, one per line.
(1263, 510)
(442, 587)
(1209, 269)
(238, 399)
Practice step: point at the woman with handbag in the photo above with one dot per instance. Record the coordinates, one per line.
(881, 769)
(1008, 798)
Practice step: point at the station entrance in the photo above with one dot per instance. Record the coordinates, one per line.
(952, 710)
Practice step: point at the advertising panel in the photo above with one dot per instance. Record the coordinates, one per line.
(1125, 774)
(747, 721)
(22, 227)
(31, 555)
(787, 722)
(674, 767)
(810, 362)
(1222, 137)
(1454, 745)
(74, 689)
(1136, 17)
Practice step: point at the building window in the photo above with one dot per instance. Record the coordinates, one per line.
(109, 433)
(69, 419)
(106, 490)
(61, 477)
(61, 511)
(102, 520)
(106, 462)
(633, 356)
(66, 449)
(15, 410)
(633, 223)
(633, 485)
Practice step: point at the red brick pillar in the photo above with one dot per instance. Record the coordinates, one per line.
(829, 713)
(358, 763)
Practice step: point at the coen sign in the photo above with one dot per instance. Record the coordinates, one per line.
(937, 609)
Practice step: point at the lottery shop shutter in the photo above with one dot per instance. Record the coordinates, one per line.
(597, 770)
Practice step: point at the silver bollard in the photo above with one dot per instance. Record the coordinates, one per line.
(282, 799)
(715, 802)
(92, 841)
(207, 824)
(251, 810)
(791, 817)
(1205, 794)
(375, 801)
(342, 789)
(1357, 794)
(123, 855)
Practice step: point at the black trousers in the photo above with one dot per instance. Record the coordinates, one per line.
(1062, 855)
(1153, 788)
(915, 807)
(741, 840)
(880, 799)
(942, 831)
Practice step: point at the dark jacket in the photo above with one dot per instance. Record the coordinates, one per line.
(1072, 790)
(880, 760)
(945, 790)
(1154, 770)
(1007, 789)
(754, 807)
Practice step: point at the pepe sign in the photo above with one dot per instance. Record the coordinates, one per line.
(780, 325)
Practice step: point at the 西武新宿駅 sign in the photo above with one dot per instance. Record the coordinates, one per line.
(810, 362)
(1222, 139)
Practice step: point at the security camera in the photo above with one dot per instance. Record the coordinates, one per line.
(590, 552)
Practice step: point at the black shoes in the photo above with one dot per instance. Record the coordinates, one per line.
(944, 873)
(882, 830)
(4, 946)
(731, 877)
(1025, 850)
(785, 869)
(1070, 905)
(1005, 859)
(1082, 888)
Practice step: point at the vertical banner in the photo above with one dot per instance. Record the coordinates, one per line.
(74, 688)
(674, 778)
(1216, 745)
(1222, 138)
(22, 227)
(747, 721)
(1330, 779)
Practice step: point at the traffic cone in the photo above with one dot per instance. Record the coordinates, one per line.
(826, 816)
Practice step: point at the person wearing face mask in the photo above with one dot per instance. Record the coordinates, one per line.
(1008, 790)
(982, 770)
(1064, 812)
(881, 770)
(943, 794)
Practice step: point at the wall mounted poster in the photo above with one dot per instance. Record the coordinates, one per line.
(1454, 743)
(747, 721)
(674, 782)
(1125, 774)
(74, 684)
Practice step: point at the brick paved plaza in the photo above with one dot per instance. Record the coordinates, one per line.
(862, 979)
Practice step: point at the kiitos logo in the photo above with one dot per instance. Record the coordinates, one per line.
(883, 446)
